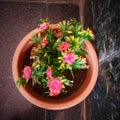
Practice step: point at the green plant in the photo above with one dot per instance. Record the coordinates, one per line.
(53, 52)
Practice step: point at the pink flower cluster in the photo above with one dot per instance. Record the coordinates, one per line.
(58, 34)
(69, 57)
(49, 72)
(55, 86)
(44, 42)
(27, 72)
(63, 46)
(43, 26)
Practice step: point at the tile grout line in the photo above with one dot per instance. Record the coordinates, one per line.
(81, 5)
(81, 8)
(30, 1)
(84, 107)
(6, 77)
(45, 114)
(62, 2)
(46, 1)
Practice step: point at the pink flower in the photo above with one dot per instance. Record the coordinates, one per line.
(69, 57)
(27, 72)
(49, 72)
(43, 26)
(55, 84)
(63, 46)
(44, 42)
(54, 92)
(58, 34)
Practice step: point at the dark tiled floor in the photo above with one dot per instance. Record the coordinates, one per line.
(16, 20)
(19, 18)
(58, 12)
(73, 113)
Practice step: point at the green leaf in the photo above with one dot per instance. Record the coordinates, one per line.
(20, 81)
(39, 71)
(38, 81)
(64, 25)
(80, 64)
(71, 71)
(44, 80)
(44, 20)
(48, 57)
(81, 51)
(36, 38)
(67, 82)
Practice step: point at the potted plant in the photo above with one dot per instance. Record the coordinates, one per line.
(55, 66)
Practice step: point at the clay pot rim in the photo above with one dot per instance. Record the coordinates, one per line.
(60, 104)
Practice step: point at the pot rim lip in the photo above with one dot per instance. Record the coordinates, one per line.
(51, 105)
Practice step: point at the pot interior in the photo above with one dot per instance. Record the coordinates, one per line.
(79, 78)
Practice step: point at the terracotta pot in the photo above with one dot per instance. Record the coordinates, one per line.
(61, 103)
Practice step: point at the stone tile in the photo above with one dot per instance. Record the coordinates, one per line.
(55, 114)
(104, 101)
(58, 12)
(34, 113)
(87, 14)
(16, 20)
(72, 113)
(13, 106)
